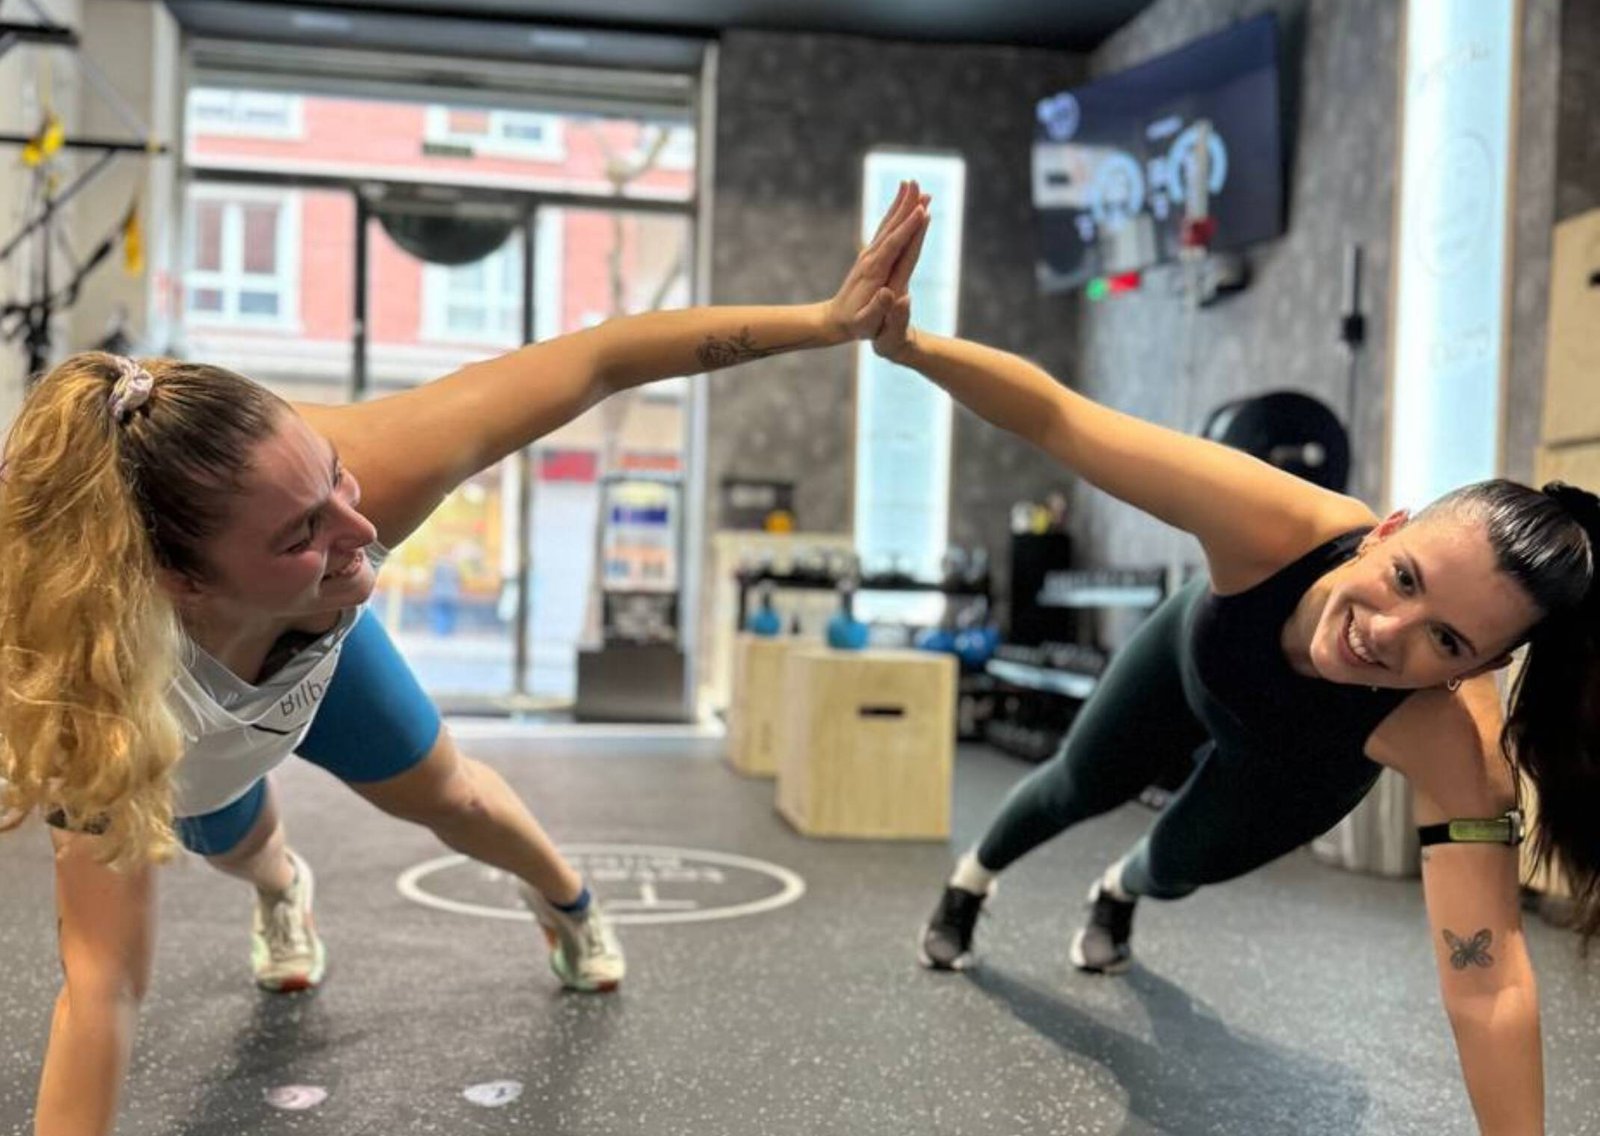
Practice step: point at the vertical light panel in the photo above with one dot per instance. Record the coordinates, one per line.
(1457, 95)
(902, 490)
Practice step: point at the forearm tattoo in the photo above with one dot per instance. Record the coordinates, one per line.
(1470, 952)
(740, 348)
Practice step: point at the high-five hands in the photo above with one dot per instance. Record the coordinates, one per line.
(895, 336)
(864, 302)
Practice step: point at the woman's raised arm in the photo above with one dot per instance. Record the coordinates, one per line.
(1249, 516)
(411, 449)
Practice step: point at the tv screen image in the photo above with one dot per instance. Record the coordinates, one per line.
(1113, 160)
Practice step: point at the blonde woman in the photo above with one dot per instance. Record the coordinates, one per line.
(186, 560)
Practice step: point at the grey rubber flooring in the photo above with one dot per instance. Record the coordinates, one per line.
(1300, 1000)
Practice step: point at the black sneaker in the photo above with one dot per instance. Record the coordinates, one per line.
(1102, 946)
(947, 939)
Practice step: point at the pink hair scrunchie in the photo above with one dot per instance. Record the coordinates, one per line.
(132, 389)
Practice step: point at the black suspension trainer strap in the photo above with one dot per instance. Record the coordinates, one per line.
(1506, 829)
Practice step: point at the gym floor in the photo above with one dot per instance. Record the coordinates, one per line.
(1300, 1000)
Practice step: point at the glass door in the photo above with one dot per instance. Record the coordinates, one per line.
(591, 265)
(341, 246)
(445, 289)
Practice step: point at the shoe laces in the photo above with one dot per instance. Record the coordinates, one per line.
(1112, 915)
(595, 935)
(283, 928)
(960, 909)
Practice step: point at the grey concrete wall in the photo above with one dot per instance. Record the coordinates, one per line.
(28, 76)
(1578, 129)
(1341, 65)
(796, 115)
(1540, 151)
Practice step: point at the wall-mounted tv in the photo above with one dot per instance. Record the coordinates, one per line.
(1112, 158)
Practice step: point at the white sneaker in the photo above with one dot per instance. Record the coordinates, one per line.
(285, 952)
(584, 952)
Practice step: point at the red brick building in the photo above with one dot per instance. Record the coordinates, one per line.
(268, 288)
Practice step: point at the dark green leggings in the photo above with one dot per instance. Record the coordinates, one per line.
(1237, 810)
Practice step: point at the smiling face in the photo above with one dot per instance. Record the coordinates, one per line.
(293, 544)
(1422, 604)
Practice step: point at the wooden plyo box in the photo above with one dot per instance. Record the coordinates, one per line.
(1572, 351)
(869, 744)
(756, 708)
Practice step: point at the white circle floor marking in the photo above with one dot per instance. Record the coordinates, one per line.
(792, 886)
(493, 1094)
(296, 1098)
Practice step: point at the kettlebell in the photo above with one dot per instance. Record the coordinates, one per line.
(845, 631)
(765, 620)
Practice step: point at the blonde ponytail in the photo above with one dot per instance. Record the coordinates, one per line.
(89, 640)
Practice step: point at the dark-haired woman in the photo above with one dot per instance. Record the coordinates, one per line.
(1322, 645)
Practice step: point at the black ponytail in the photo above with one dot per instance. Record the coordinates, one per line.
(1548, 540)
(1552, 732)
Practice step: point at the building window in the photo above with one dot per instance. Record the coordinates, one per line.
(903, 422)
(243, 258)
(244, 114)
(476, 303)
(483, 132)
(678, 152)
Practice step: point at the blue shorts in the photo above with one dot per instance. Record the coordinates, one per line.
(374, 723)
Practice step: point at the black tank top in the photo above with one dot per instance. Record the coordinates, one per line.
(1239, 681)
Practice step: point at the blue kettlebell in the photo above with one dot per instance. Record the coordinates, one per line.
(845, 631)
(765, 620)
(972, 648)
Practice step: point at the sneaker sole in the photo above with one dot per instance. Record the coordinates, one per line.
(571, 982)
(597, 988)
(1075, 956)
(961, 962)
(580, 986)
(297, 983)
(290, 985)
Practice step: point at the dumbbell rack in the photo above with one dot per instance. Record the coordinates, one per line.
(824, 582)
(1039, 688)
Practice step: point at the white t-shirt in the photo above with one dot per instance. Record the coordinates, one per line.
(237, 732)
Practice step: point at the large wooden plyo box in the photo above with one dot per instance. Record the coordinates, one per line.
(1570, 439)
(757, 709)
(719, 623)
(1572, 351)
(869, 744)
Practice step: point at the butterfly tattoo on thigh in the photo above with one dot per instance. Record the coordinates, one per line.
(1470, 952)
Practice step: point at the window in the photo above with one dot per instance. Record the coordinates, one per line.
(497, 133)
(242, 258)
(1456, 153)
(476, 303)
(247, 114)
(902, 493)
(678, 153)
